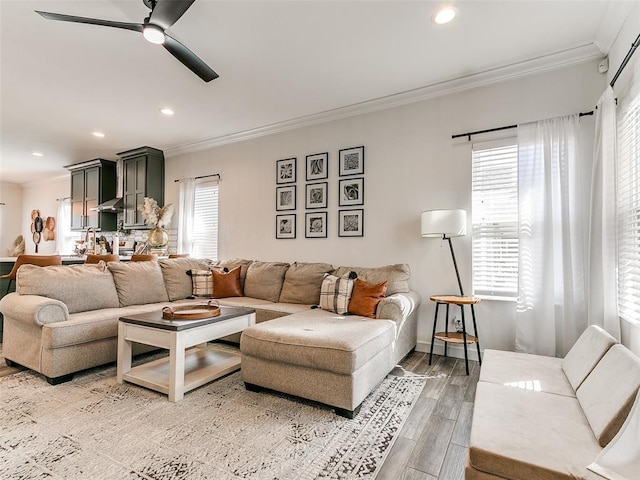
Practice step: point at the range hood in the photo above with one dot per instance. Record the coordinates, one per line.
(113, 205)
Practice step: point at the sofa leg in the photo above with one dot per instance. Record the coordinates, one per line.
(343, 412)
(61, 379)
(252, 388)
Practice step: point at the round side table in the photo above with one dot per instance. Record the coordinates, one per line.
(455, 337)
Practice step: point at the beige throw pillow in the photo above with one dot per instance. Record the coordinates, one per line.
(138, 283)
(303, 281)
(177, 281)
(264, 280)
(397, 276)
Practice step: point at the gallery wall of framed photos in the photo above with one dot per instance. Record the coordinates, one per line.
(316, 189)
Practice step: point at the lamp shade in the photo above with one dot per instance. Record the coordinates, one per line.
(448, 223)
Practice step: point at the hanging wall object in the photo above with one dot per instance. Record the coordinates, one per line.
(351, 223)
(37, 225)
(49, 232)
(286, 198)
(286, 170)
(351, 161)
(316, 195)
(351, 192)
(315, 225)
(286, 226)
(317, 166)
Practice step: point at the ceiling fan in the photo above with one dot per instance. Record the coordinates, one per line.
(164, 13)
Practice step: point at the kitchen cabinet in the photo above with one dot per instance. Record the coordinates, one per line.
(143, 172)
(92, 183)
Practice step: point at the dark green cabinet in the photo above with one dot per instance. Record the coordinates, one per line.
(92, 183)
(143, 172)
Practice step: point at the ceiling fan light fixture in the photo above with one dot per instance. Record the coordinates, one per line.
(444, 15)
(153, 33)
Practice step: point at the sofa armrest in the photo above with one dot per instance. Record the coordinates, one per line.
(398, 307)
(33, 309)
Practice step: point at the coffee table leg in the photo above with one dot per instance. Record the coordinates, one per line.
(124, 353)
(176, 368)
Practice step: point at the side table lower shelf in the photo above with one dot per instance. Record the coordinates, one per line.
(455, 337)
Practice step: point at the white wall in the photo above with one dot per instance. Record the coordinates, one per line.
(627, 84)
(411, 165)
(10, 216)
(42, 195)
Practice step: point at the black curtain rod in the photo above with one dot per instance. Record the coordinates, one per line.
(202, 176)
(633, 48)
(497, 129)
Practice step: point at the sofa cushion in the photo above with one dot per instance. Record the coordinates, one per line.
(237, 262)
(138, 283)
(226, 284)
(264, 280)
(366, 297)
(81, 287)
(523, 435)
(176, 279)
(397, 276)
(607, 394)
(335, 293)
(318, 340)
(523, 370)
(202, 283)
(586, 353)
(303, 281)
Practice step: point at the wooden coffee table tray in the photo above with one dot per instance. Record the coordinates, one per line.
(191, 312)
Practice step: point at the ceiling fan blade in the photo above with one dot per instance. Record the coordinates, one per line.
(136, 27)
(189, 59)
(167, 12)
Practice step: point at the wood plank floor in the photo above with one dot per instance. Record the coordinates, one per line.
(434, 440)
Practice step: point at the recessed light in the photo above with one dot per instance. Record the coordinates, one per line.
(444, 15)
(166, 111)
(98, 134)
(37, 154)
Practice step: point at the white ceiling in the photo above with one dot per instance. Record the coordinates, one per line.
(277, 60)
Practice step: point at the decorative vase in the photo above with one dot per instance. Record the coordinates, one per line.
(158, 237)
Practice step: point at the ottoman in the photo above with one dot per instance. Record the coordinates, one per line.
(333, 359)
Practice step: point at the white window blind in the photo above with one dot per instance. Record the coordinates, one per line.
(628, 206)
(495, 219)
(205, 220)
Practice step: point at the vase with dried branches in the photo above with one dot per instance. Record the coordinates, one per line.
(157, 217)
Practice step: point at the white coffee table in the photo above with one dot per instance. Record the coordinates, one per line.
(183, 370)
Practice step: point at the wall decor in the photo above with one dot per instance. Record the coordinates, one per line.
(286, 226)
(316, 195)
(351, 223)
(351, 161)
(317, 166)
(315, 225)
(49, 233)
(351, 191)
(286, 170)
(286, 198)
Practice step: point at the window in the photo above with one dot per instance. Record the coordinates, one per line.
(495, 219)
(205, 220)
(628, 205)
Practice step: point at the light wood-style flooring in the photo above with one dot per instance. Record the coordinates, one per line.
(434, 440)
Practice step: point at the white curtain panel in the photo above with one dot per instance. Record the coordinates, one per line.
(185, 215)
(553, 200)
(64, 239)
(602, 297)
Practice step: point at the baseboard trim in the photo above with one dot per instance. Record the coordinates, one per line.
(456, 351)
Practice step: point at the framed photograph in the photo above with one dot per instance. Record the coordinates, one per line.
(286, 198)
(317, 166)
(316, 195)
(286, 226)
(350, 223)
(315, 225)
(351, 192)
(286, 170)
(351, 161)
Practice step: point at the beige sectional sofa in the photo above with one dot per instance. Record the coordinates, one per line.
(64, 319)
(544, 418)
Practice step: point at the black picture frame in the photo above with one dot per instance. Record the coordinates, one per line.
(351, 223)
(286, 171)
(317, 166)
(315, 225)
(351, 161)
(316, 195)
(351, 192)
(286, 226)
(286, 198)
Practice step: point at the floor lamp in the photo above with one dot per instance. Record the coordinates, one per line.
(446, 224)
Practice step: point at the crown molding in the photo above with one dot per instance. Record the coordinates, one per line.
(565, 58)
(611, 24)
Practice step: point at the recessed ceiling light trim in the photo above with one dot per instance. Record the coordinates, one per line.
(98, 134)
(444, 15)
(37, 154)
(166, 111)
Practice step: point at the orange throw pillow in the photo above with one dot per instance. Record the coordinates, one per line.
(226, 284)
(365, 298)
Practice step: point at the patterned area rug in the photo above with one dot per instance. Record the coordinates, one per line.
(95, 428)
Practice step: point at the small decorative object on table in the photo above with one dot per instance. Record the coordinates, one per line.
(158, 218)
(192, 312)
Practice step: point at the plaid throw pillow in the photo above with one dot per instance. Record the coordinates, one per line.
(202, 282)
(336, 292)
